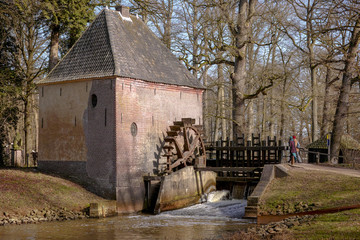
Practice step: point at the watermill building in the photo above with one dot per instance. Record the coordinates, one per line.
(105, 108)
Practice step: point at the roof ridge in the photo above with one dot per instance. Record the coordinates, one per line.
(116, 67)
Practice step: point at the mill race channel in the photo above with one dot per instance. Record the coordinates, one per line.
(209, 220)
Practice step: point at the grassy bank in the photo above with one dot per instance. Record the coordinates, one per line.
(26, 190)
(310, 190)
(316, 190)
(305, 190)
(342, 225)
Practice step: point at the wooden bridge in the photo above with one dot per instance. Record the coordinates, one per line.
(240, 161)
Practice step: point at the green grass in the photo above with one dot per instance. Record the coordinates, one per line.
(342, 225)
(320, 189)
(24, 190)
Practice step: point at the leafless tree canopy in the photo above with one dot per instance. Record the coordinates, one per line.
(275, 68)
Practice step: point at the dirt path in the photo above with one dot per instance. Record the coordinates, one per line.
(344, 171)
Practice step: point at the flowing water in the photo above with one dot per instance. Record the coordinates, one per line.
(201, 221)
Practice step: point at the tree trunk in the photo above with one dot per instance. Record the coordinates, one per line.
(54, 46)
(206, 118)
(343, 101)
(217, 120)
(282, 112)
(264, 117)
(314, 103)
(326, 107)
(222, 101)
(167, 24)
(26, 132)
(251, 122)
(244, 19)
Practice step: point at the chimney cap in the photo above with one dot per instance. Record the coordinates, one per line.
(124, 10)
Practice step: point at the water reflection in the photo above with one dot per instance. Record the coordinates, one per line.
(202, 221)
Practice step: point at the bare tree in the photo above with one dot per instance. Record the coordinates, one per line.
(28, 31)
(349, 74)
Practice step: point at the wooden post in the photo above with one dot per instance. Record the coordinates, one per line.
(317, 157)
(328, 146)
(264, 154)
(218, 144)
(232, 153)
(280, 153)
(248, 155)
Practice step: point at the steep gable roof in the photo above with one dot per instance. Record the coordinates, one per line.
(346, 142)
(112, 46)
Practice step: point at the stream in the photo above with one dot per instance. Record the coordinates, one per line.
(209, 220)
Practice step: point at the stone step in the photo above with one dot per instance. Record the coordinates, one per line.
(251, 212)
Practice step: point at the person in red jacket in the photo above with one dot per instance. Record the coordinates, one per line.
(292, 150)
(297, 146)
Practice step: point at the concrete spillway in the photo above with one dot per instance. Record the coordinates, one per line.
(178, 189)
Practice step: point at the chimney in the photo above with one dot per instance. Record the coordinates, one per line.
(124, 11)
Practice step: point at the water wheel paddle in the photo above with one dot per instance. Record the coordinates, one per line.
(184, 146)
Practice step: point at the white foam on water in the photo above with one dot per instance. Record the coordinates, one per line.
(225, 209)
(216, 196)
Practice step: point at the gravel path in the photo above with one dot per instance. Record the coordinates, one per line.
(344, 171)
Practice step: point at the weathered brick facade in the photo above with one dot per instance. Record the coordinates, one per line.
(77, 139)
(95, 143)
(152, 107)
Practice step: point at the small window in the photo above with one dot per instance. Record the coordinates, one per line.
(155, 91)
(42, 91)
(42, 123)
(133, 129)
(93, 100)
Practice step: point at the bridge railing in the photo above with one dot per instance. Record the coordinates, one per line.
(318, 154)
(241, 153)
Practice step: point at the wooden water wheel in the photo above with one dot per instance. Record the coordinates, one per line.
(184, 146)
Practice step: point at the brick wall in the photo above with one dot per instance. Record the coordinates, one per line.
(153, 108)
(61, 115)
(77, 139)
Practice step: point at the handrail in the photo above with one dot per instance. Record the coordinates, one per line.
(319, 153)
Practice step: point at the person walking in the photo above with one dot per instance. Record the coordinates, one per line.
(297, 146)
(292, 150)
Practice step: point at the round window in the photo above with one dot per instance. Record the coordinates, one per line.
(93, 100)
(133, 129)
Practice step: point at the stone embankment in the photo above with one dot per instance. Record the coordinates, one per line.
(264, 231)
(288, 207)
(44, 215)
